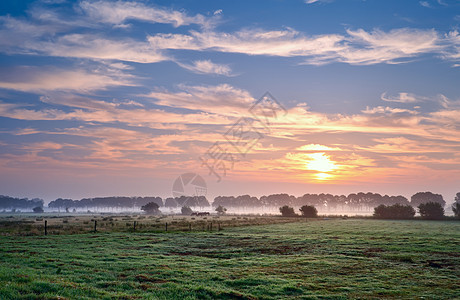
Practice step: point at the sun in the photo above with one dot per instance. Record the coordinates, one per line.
(321, 163)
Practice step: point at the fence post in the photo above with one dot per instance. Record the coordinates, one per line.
(166, 226)
(46, 227)
(134, 227)
(95, 226)
(218, 226)
(210, 226)
(189, 226)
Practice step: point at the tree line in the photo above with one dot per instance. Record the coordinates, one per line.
(128, 202)
(12, 203)
(354, 201)
(429, 207)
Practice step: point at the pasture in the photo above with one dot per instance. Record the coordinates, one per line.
(258, 258)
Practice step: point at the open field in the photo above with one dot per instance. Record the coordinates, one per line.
(329, 259)
(33, 224)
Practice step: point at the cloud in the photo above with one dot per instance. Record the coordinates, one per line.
(285, 43)
(118, 12)
(98, 48)
(387, 47)
(51, 33)
(357, 47)
(222, 99)
(34, 79)
(207, 67)
(317, 1)
(317, 147)
(425, 4)
(452, 50)
(401, 98)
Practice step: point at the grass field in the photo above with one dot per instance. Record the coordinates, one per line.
(321, 259)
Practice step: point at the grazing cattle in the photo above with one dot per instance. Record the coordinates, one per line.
(200, 214)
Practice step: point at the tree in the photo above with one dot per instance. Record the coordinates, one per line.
(396, 211)
(456, 205)
(221, 210)
(431, 210)
(287, 211)
(187, 211)
(309, 211)
(151, 208)
(425, 197)
(38, 209)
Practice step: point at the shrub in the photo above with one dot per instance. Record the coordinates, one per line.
(309, 211)
(38, 209)
(396, 211)
(221, 210)
(287, 211)
(151, 208)
(431, 210)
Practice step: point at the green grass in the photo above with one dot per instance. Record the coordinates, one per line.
(324, 259)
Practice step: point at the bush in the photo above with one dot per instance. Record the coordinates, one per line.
(396, 211)
(221, 210)
(38, 209)
(287, 211)
(151, 208)
(186, 211)
(431, 210)
(309, 211)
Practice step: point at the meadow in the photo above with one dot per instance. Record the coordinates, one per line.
(257, 258)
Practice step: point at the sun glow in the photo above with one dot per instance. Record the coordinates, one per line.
(323, 164)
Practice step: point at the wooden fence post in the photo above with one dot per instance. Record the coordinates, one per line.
(134, 227)
(166, 226)
(210, 226)
(95, 226)
(189, 226)
(46, 227)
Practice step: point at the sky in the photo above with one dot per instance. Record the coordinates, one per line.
(119, 98)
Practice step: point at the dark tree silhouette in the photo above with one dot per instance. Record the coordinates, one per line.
(431, 210)
(171, 202)
(151, 208)
(221, 210)
(425, 197)
(287, 211)
(456, 205)
(396, 211)
(187, 211)
(277, 200)
(309, 211)
(7, 202)
(38, 209)
(104, 202)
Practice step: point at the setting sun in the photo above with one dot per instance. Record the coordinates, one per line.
(320, 162)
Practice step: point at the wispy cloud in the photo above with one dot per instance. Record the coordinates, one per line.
(358, 47)
(401, 98)
(34, 79)
(222, 99)
(116, 13)
(49, 33)
(425, 4)
(99, 48)
(207, 67)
